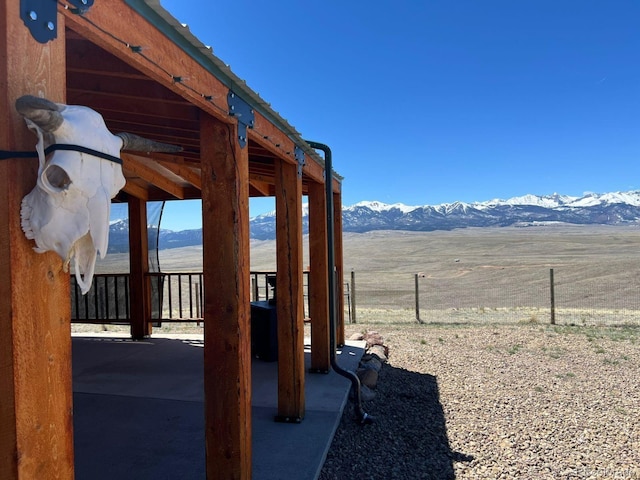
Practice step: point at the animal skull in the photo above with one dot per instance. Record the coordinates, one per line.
(68, 210)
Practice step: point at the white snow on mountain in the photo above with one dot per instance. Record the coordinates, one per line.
(546, 201)
(593, 199)
(376, 206)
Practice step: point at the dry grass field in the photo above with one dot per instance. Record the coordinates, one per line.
(474, 275)
(502, 273)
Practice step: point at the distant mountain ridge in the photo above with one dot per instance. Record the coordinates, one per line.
(602, 209)
(617, 208)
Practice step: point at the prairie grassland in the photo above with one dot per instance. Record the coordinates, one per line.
(499, 275)
(478, 275)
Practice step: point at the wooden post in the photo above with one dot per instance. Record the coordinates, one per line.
(553, 297)
(289, 292)
(36, 427)
(318, 281)
(227, 335)
(339, 266)
(139, 281)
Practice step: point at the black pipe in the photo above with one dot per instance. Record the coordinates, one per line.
(361, 415)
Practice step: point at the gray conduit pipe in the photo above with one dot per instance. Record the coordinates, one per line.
(361, 415)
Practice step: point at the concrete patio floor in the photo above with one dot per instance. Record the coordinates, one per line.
(138, 411)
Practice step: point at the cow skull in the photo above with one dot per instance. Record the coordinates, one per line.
(68, 210)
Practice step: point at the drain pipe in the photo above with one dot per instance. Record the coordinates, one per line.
(362, 416)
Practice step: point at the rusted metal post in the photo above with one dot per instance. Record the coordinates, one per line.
(553, 298)
(353, 297)
(417, 283)
(417, 295)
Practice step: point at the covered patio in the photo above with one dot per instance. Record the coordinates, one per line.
(138, 411)
(144, 72)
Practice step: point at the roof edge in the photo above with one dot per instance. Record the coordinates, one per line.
(181, 35)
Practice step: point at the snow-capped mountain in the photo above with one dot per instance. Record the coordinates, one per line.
(591, 208)
(617, 208)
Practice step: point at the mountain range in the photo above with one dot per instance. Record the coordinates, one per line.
(617, 208)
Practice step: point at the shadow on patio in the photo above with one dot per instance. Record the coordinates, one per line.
(138, 411)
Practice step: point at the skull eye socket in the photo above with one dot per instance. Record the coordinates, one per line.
(57, 177)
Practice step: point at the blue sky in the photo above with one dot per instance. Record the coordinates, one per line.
(435, 101)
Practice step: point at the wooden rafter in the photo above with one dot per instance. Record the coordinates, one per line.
(135, 166)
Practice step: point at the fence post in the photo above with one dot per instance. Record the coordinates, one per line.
(553, 298)
(417, 282)
(353, 297)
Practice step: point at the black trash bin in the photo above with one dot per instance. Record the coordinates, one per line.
(264, 331)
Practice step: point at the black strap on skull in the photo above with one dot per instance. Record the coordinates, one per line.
(5, 154)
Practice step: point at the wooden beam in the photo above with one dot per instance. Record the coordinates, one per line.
(339, 249)
(119, 23)
(227, 335)
(313, 170)
(289, 292)
(135, 190)
(272, 139)
(180, 168)
(103, 102)
(134, 165)
(36, 425)
(263, 187)
(139, 286)
(319, 279)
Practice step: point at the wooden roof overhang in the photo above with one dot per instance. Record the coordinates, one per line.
(135, 64)
(143, 84)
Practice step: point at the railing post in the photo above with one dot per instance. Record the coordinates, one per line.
(254, 288)
(198, 298)
(553, 298)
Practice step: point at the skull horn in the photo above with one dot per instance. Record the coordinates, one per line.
(138, 144)
(44, 113)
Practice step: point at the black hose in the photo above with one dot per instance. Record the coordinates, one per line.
(361, 415)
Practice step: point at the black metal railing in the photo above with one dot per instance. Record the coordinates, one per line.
(175, 297)
(106, 302)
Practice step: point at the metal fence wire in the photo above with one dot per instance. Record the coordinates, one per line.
(481, 295)
(496, 294)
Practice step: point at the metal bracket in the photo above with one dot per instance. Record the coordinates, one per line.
(41, 16)
(299, 154)
(244, 113)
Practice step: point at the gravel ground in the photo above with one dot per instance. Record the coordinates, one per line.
(498, 402)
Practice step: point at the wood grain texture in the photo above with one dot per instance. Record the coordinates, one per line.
(318, 278)
(36, 430)
(227, 335)
(339, 266)
(139, 286)
(289, 291)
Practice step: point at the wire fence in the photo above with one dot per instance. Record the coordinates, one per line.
(486, 295)
(552, 296)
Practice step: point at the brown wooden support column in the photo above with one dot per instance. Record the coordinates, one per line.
(289, 292)
(318, 279)
(338, 246)
(227, 335)
(139, 281)
(36, 427)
